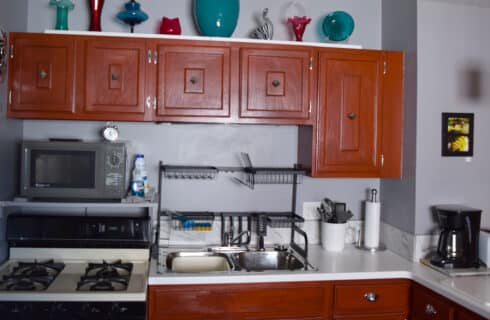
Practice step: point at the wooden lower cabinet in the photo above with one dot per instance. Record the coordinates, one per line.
(371, 299)
(271, 301)
(428, 305)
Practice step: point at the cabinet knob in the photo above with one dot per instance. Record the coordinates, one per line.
(193, 80)
(276, 83)
(371, 296)
(43, 74)
(430, 310)
(114, 76)
(351, 115)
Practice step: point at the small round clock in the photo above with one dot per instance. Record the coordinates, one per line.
(110, 132)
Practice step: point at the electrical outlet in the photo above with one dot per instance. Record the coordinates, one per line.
(310, 211)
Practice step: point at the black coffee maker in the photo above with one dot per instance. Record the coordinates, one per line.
(458, 241)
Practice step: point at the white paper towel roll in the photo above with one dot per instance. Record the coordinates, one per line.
(371, 224)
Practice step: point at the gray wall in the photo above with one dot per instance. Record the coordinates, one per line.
(400, 33)
(13, 19)
(452, 40)
(367, 16)
(215, 144)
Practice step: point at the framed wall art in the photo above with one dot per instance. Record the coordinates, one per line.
(457, 134)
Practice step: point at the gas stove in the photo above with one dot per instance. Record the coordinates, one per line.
(76, 280)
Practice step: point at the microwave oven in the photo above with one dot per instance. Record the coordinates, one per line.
(73, 170)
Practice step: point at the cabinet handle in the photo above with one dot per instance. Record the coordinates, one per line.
(276, 83)
(148, 102)
(193, 80)
(114, 76)
(148, 55)
(371, 296)
(43, 74)
(430, 310)
(351, 115)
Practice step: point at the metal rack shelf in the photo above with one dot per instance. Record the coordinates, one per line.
(249, 176)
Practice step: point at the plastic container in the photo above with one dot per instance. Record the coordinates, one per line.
(139, 181)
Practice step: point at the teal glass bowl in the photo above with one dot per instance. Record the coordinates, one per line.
(216, 18)
(338, 25)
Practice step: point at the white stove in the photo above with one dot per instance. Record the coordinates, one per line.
(75, 263)
(75, 268)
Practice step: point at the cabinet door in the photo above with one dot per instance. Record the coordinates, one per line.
(400, 316)
(275, 84)
(364, 297)
(192, 82)
(349, 115)
(427, 305)
(42, 76)
(115, 79)
(463, 314)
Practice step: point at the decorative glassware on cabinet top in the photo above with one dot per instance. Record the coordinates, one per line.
(299, 24)
(338, 25)
(132, 14)
(95, 7)
(62, 7)
(170, 26)
(266, 30)
(216, 18)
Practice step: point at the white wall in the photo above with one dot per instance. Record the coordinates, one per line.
(366, 13)
(452, 37)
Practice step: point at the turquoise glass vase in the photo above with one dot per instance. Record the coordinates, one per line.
(62, 7)
(216, 18)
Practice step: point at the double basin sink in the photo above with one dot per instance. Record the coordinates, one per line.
(232, 260)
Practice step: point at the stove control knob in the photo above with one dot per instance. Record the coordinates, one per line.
(116, 308)
(89, 308)
(59, 308)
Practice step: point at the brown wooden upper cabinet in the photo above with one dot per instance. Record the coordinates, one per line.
(358, 127)
(114, 79)
(348, 102)
(192, 82)
(41, 77)
(276, 85)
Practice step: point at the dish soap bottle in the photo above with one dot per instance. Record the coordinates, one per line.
(139, 183)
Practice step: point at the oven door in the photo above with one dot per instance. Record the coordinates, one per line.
(73, 310)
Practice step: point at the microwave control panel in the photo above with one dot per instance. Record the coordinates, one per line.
(115, 168)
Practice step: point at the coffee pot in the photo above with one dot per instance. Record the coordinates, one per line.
(458, 240)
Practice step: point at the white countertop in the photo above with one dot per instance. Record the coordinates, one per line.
(352, 264)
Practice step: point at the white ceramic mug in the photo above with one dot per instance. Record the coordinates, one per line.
(333, 236)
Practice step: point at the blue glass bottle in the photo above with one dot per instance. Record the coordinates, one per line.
(132, 14)
(216, 18)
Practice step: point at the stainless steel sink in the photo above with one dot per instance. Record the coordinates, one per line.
(266, 260)
(201, 261)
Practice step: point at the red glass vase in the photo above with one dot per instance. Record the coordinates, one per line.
(170, 26)
(299, 24)
(95, 7)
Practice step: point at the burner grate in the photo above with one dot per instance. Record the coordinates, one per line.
(31, 276)
(106, 276)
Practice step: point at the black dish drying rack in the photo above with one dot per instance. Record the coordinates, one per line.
(246, 175)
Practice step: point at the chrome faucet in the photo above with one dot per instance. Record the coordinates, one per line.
(229, 240)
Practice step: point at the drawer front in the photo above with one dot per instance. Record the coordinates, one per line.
(427, 305)
(371, 297)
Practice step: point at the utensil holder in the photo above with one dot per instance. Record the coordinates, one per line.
(333, 236)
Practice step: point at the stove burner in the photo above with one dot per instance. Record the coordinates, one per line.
(102, 284)
(106, 276)
(38, 269)
(26, 284)
(31, 276)
(108, 269)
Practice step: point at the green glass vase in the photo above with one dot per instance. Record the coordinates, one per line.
(62, 7)
(216, 18)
